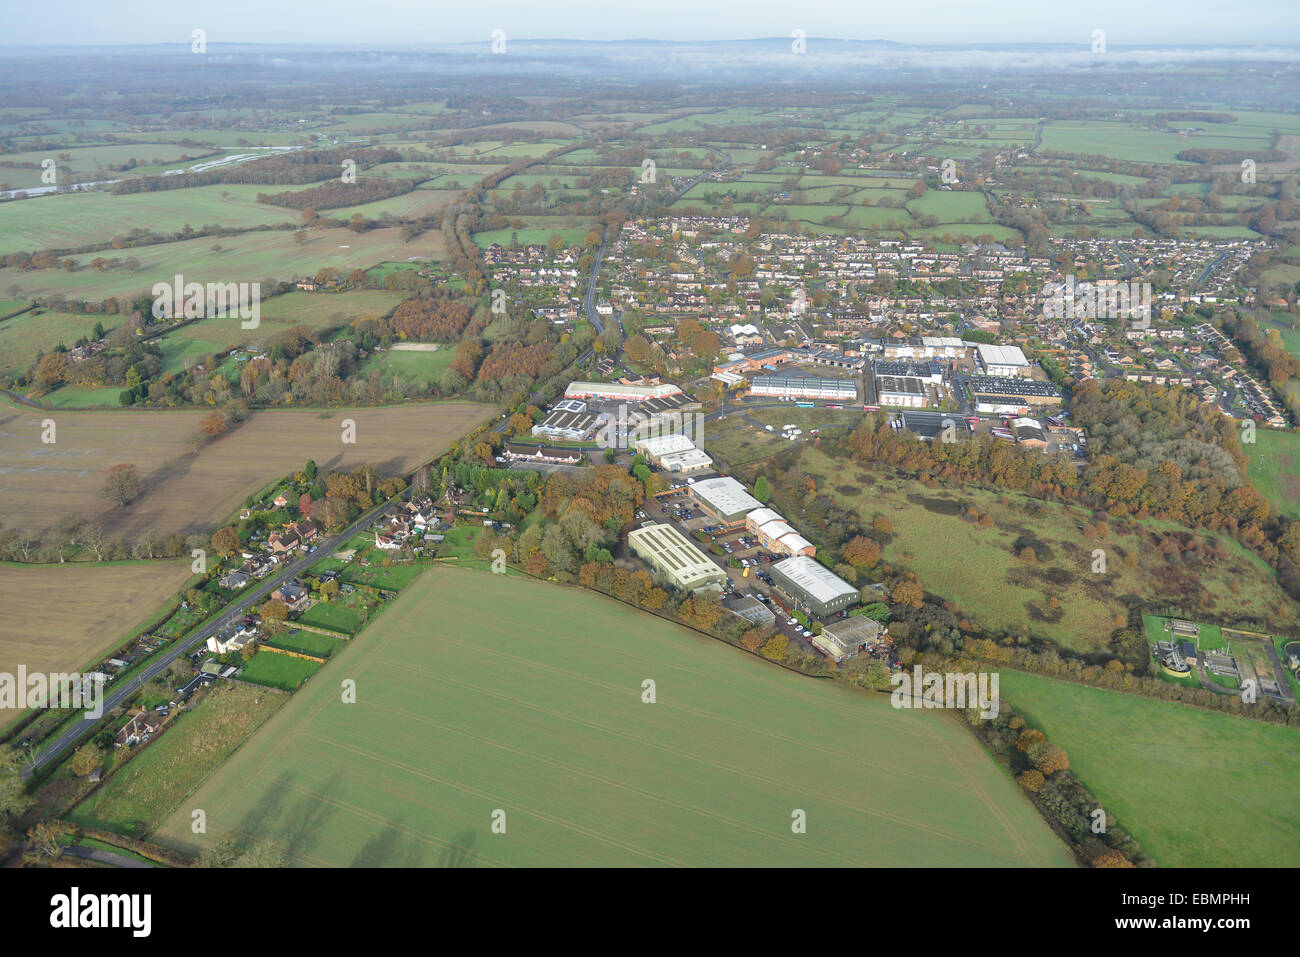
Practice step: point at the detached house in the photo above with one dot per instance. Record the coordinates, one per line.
(293, 595)
(142, 726)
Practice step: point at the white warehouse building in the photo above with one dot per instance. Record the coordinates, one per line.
(1001, 360)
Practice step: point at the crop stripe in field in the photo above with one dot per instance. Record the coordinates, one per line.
(489, 798)
(846, 711)
(926, 735)
(741, 771)
(624, 785)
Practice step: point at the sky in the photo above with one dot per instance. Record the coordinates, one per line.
(417, 22)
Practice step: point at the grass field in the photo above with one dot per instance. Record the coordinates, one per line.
(1196, 789)
(183, 491)
(1274, 469)
(62, 617)
(40, 331)
(247, 257)
(80, 219)
(978, 567)
(136, 798)
(314, 310)
(475, 694)
(416, 369)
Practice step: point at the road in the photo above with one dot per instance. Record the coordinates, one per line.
(589, 306)
(121, 691)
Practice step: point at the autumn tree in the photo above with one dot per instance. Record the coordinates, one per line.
(86, 758)
(1031, 780)
(225, 541)
(274, 610)
(908, 593)
(213, 425)
(861, 552)
(122, 484)
(776, 647)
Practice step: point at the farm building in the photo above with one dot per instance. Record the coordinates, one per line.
(813, 587)
(725, 499)
(673, 555)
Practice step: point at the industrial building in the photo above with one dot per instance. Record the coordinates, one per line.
(898, 390)
(1001, 360)
(1011, 394)
(672, 554)
(619, 392)
(569, 421)
(776, 535)
(844, 639)
(925, 347)
(673, 453)
(751, 609)
(813, 587)
(805, 387)
(927, 370)
(725, 499)
(1029, 432)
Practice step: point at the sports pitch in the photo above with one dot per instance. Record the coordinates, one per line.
(477, 693)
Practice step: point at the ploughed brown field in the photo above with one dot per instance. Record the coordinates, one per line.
(183, 491)
(57, 618)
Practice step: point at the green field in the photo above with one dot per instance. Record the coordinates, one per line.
(80, 219)
(416, 369)
(1274, 469)
(247, 257)
(979, 567)
(478, 692)
(1197, 789)
(40, 331)
(135, 798)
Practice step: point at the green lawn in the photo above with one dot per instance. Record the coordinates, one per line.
(307, 643)
(480, 692)
(1197, 789)
(336, 615)
(278, 671)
